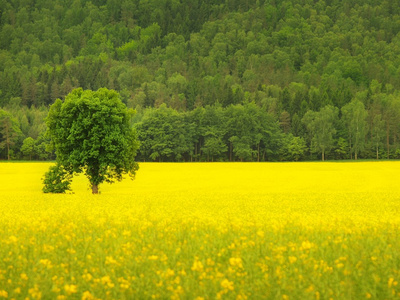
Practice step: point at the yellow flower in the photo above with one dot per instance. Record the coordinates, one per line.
(210, 262)
(317, 295)
(339, 265)
(310, 289)
(13, 239)
(87, 296)
(87, 277)
(123, 283)
(3, 294)
(71, 251)
(46, 262)
(306, 245)
(390, 282)
(260, 233)
(197, 265)
(106, 280)
(35, 292)
(226, 284)
(110, 260)
(70, 289)
(169, 273)
(236, 262)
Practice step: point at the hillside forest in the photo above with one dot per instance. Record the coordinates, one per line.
(210, 80)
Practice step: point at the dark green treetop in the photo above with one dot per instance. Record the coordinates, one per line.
(91, 133)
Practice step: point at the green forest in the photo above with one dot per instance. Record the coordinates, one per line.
(233, 80)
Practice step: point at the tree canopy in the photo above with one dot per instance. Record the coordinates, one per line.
(91, 133)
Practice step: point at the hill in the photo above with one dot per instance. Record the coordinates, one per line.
(287, 57)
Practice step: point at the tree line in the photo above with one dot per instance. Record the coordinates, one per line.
(367, 127)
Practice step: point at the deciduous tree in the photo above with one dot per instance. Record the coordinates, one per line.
(378, 133)
(321, 127)
(355, 116)
(91, 133)
(9, 131)
(28, 147)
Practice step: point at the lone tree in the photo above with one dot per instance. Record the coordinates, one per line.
(91, 133)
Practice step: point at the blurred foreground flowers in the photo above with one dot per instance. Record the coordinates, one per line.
(205, 231)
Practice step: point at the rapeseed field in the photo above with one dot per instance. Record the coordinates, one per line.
(205, 231)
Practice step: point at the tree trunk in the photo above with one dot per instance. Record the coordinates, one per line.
(387, 142)
(230, 151)
(355, 155)
(95, 189)
(200, 152)
(377, 153)
(351, 150)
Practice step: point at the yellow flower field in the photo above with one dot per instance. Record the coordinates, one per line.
(205, 231)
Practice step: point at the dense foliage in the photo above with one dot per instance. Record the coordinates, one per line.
(57, 180)
(91, 134)
(290, 58)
